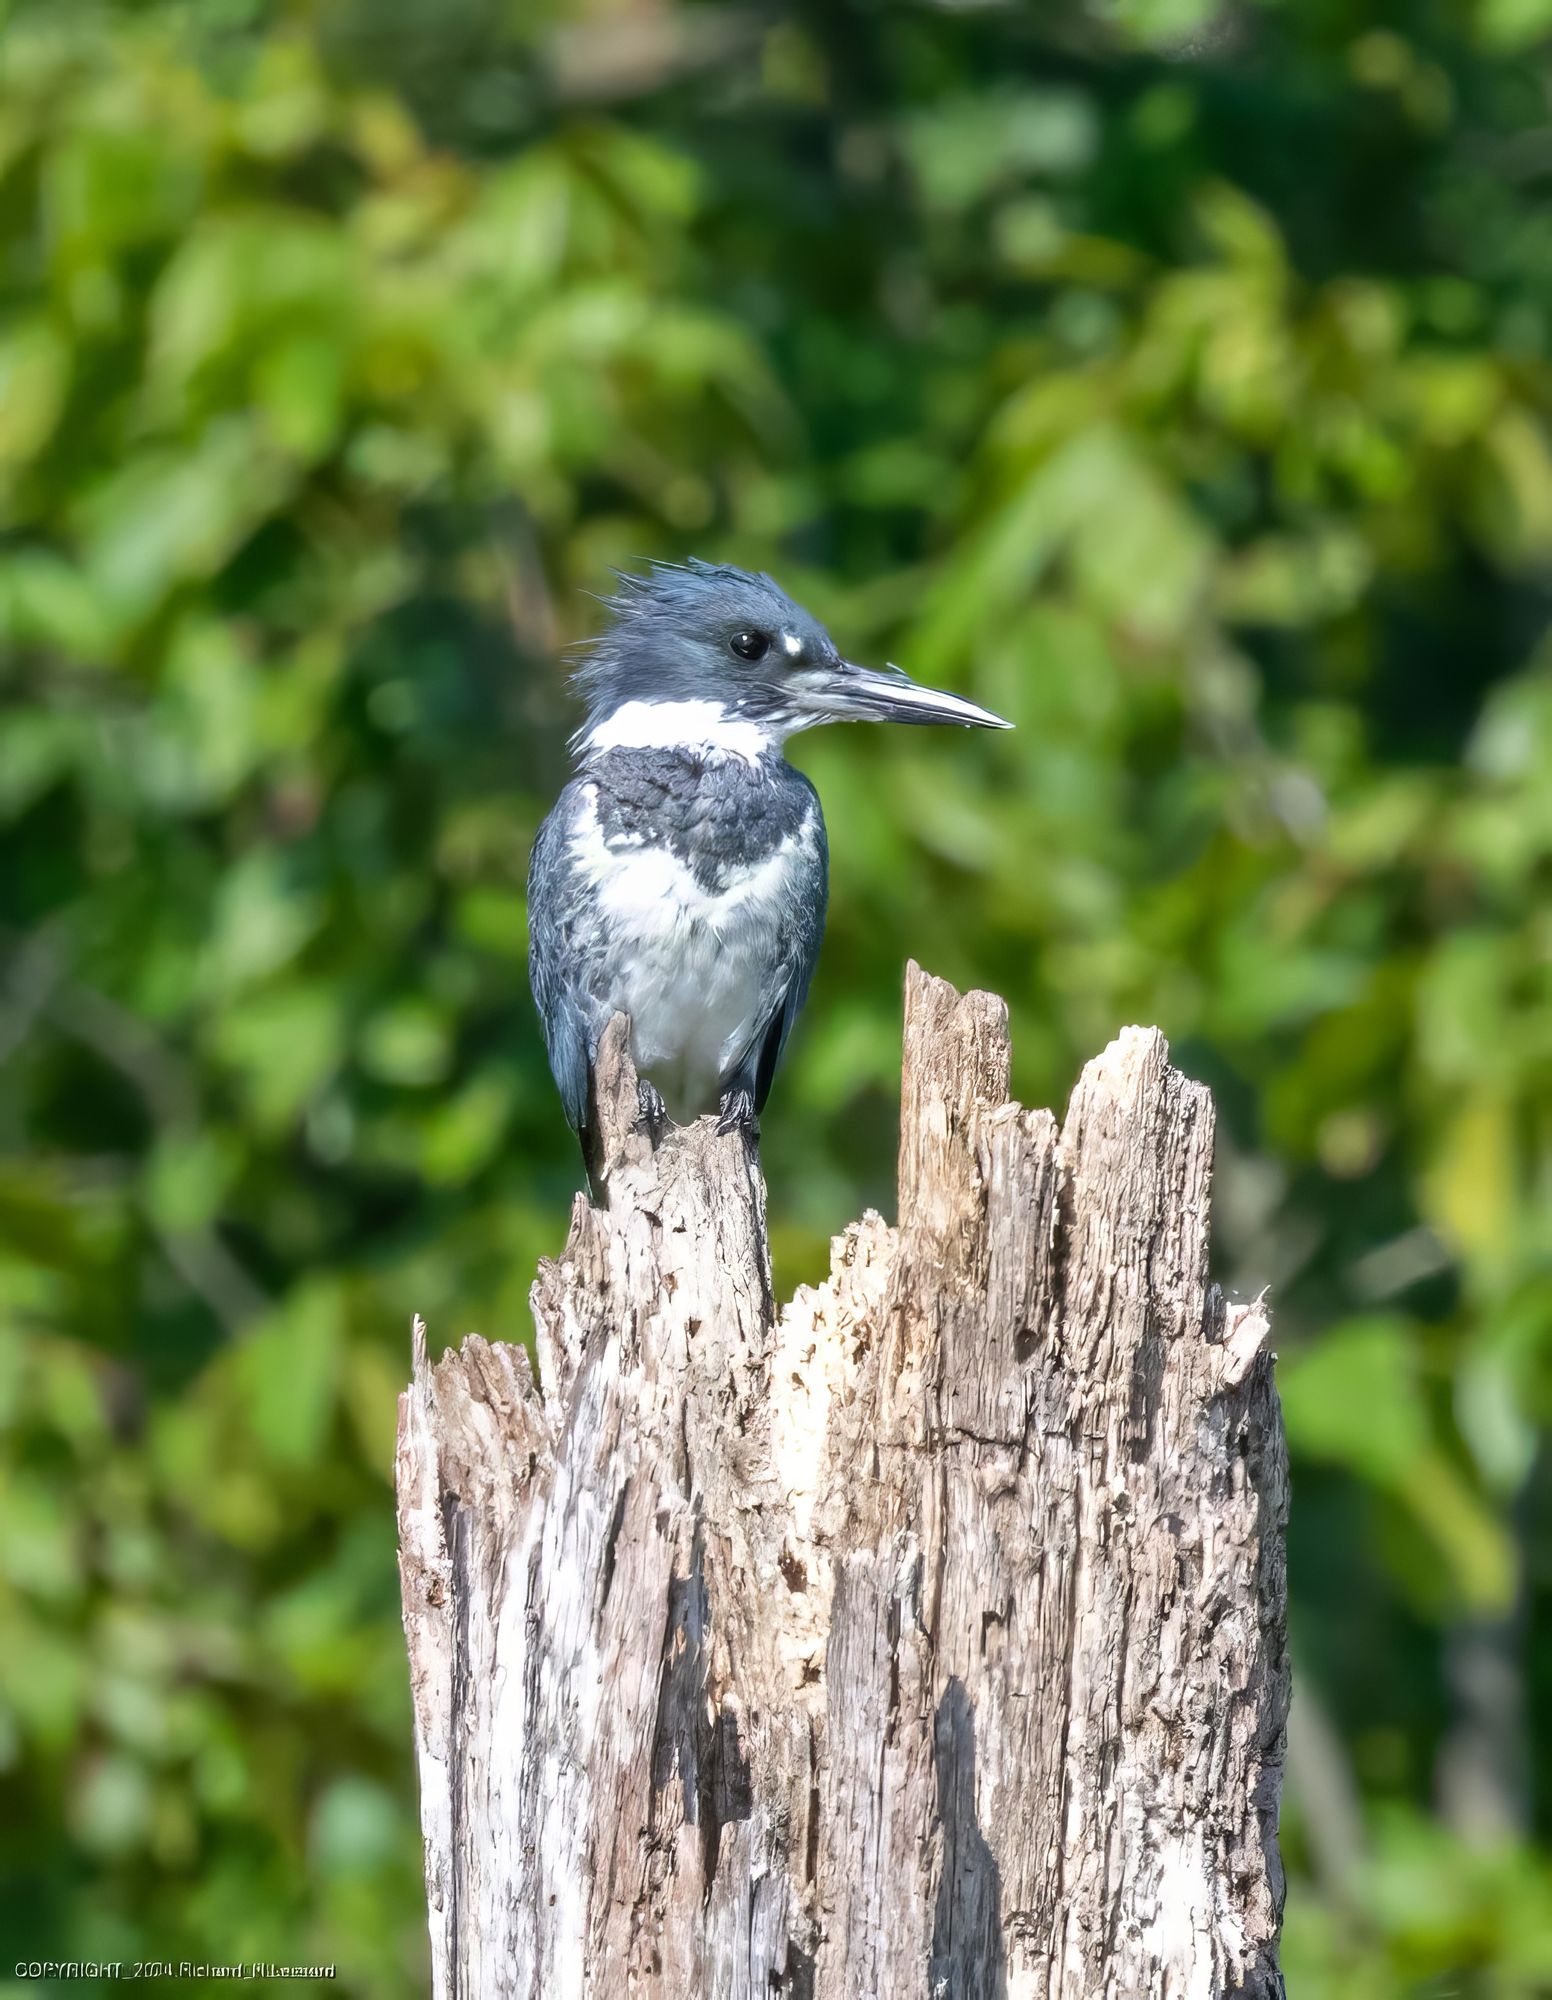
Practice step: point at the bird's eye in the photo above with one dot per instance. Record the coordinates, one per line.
(750, 645)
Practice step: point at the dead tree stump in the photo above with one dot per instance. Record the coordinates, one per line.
(925, 1638)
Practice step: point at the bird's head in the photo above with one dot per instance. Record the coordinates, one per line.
(704, 654)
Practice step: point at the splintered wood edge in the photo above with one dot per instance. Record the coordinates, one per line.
(956, 1059)
(956, 1035)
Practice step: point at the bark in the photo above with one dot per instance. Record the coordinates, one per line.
(925, 1638)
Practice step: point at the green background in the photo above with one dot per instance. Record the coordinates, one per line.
(1172, 380)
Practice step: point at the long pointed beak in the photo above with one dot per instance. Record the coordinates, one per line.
(871, 694)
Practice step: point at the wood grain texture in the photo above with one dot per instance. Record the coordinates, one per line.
(923, 1639)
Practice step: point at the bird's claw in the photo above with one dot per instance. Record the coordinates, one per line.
(653, 1112)
(739, 1114)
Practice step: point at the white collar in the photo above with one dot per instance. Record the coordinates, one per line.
(681, 725)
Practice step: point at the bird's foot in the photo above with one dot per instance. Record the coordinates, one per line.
(653, 1111)
(738, 1113)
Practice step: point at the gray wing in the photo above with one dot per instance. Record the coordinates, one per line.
(801, 935)
(568, 1013)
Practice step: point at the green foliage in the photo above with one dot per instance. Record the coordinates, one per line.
(1171, 382)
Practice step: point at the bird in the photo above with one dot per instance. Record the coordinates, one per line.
(681, 877)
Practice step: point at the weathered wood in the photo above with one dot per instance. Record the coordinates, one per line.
(926, 1639)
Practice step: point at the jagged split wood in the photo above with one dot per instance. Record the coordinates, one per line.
(925, 1638)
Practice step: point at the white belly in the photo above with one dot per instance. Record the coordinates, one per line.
(696, 970)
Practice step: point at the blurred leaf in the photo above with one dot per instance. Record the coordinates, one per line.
(407, 1044)
(262, 917)
(1355, 1398)
(34, 371)
(288, 1369)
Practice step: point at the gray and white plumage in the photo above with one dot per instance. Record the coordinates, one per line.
(682, 875)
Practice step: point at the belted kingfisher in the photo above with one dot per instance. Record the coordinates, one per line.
(682, 875)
